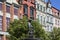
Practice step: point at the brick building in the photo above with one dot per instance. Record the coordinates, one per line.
(56, 14)
(14, 9)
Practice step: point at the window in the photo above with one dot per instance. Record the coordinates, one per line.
(0, 23)
(41, 19)
(7, 8)
(44, 21)
(16, 11)
(0, 6)
(47, 18)
(51, 19)
(43, 9)
(38, 6)
(48, 10)
(25, 9)
(7, 21)
(38, 17)
(47, 27)
(51, 28)
(55, 21)
(31, 11)
(58, 22)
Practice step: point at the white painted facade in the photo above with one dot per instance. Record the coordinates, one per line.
(42, 16)
(56, 22)
(12, 1)
(1, 13)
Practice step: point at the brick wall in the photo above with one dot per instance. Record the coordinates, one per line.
(4, 19)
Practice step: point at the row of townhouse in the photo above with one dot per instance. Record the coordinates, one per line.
(47, 15)
(14, 9)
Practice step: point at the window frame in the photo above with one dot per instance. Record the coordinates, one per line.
(25, 8)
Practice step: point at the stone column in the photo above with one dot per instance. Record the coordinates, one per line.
(4, 27)
(12, 13)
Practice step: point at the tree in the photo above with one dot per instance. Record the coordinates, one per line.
(19, 29)
(55, 34)
(39, 31)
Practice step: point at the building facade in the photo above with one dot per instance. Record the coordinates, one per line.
(44, 14)
(56, 14)
(14, 9)
(49, 17)
(41, 12)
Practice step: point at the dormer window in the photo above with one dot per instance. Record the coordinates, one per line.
(49, 5)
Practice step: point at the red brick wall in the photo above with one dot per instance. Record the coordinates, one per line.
(4, 27)
(29, 5)
(20, 11)
(12, 12)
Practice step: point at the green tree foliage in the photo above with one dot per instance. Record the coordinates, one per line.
(55, 34)
(19, 29)
(39, 31)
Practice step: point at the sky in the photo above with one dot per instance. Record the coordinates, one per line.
(55, 3)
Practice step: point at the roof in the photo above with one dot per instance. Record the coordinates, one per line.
(55, 8)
